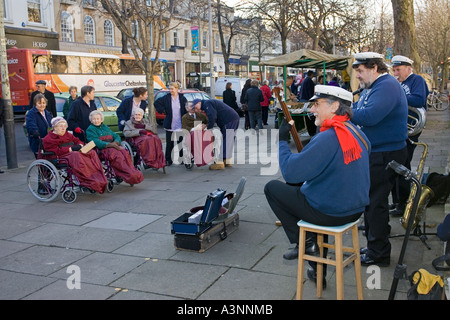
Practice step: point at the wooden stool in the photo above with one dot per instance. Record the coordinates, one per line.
(339, 263)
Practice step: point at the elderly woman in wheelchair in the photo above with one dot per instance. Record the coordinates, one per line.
(61, 167)
(108, 144)
(142, 135)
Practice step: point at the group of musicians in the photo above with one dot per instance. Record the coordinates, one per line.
(341, 173)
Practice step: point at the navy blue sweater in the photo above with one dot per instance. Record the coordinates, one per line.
(416, 91)
(382, 114)
(218, 112)
(330, 186)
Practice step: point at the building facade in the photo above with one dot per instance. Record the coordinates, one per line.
(84, 26)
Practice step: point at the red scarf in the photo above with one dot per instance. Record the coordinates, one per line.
(349, 145)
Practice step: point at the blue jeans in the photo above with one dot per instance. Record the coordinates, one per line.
(255, 116)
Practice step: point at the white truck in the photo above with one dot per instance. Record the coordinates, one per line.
(237, 85)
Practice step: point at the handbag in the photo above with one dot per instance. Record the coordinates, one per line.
(244, 107)
(425, 286)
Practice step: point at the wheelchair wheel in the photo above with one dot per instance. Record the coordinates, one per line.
(110, 186)
(127, 147)
(69, 196)
(189, 164)
(43, 180)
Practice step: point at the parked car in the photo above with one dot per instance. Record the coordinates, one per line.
(128, 92)
(105, 103)
(190, 94)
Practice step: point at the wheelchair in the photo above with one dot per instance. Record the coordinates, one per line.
(47, 178)
(138, 162)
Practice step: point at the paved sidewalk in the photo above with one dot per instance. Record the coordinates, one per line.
(121, 246)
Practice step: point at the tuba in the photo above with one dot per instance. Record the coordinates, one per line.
(425, 195)
(416, 122)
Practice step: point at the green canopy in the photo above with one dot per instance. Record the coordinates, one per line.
(306, 58)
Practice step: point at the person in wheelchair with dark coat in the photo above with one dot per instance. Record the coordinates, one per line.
(142, 134)
(86, 167)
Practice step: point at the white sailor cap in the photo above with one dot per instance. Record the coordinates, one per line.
(363, 57)
(332, 92)
(401, 60)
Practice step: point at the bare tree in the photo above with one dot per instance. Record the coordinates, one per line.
(229, 26)
(433, 37)
(277, 14)
(144, 23)
(331, 23)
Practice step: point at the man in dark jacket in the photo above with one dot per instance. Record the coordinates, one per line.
(78, 118)
(306, 93)
(253, 98)
(51, 102)
(227, 120)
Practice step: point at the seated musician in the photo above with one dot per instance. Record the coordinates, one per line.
(145, 138)
(333, 170)
(108, 144)
(86, 167)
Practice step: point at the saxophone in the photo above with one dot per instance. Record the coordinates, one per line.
(425, 195)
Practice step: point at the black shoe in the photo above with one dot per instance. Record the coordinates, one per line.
(397, 212)
(168, 163)
(368, 261)
(1, 171)
(291, 254)
(312, 275)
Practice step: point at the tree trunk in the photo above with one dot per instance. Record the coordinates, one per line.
(405, 31)
(149, 66)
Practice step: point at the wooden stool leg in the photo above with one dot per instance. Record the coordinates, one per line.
(339, 266)
(319, 266)
(359, 286)
(301, 264)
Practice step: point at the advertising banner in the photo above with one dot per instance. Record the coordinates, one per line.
(195, 39)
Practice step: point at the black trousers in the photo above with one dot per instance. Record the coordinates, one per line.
(290, 206)
(170, 144)
(265, 114)
(376, 215)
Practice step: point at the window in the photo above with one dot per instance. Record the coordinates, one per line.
(186, 38)
(34, 11)
(204, 39)
(89, 30)
(217, 41)
(109, 33)
(67, 27)
(175, 37)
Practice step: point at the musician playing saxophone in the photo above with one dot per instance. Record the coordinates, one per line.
(416, 91)
(333, 167)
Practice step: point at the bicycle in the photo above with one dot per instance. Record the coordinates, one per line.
(436, 100)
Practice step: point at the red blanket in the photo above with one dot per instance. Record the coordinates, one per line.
(88, 170)
(150, 149)
(122, 165)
